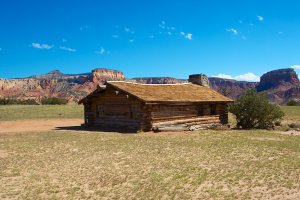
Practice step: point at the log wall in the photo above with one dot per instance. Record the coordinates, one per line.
(160, 113)
(114, 109)
(187, 117)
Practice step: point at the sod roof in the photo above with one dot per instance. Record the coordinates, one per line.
(187, 92)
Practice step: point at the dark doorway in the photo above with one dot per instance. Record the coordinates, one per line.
(213, 109)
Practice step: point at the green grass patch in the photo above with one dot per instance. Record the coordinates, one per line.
(23, 112)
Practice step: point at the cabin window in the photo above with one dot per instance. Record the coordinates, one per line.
(100, 112)
(213, 109)
(134, 111)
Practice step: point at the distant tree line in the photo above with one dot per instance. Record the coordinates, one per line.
(44, 101)
(12, 101)
(292, 102)
(54, 101)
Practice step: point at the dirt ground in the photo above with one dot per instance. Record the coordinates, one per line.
(34, 125)
(37, 125)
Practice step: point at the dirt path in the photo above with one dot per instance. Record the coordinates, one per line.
(37, 125)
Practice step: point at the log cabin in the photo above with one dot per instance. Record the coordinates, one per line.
(133, 106)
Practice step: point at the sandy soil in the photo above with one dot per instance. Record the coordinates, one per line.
(291, 132)
(37, 125)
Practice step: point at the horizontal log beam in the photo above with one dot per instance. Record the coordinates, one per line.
(183, 121)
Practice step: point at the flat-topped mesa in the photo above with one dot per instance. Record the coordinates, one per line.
(100, 75)
(278, 77)
(199, 79)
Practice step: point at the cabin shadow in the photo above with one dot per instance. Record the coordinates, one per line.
(97, 129)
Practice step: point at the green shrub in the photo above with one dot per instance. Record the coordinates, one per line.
(254, 111)
(292, 102)
(54, 101)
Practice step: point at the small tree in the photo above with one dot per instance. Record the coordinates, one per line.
(253, 110)
(292, 102)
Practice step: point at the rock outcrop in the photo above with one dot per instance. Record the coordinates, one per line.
(280, 77)
(56, 84)
(99, 76)
(280, 85)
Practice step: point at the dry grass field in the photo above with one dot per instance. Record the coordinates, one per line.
(292, 113)
(78, 164)
(27, 112)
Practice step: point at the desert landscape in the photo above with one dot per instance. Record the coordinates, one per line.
(170, 100)
(46, 154)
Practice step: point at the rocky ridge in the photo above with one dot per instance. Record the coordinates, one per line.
(280, 85)
(73, 87)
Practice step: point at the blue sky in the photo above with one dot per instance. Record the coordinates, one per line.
(232, 38)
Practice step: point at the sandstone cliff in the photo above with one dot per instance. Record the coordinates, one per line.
(281, 77)
(229, 87)
(280, 85)
(56, 84)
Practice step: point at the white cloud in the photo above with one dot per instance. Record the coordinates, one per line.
(67, 49)
(168, 29)
(243, 77)
(85, 27)
(101, 51)
(232, 30)
(42, 46)
(224, 76)
(162, 25)
(295, 66)
(260, 18)
(247, 77)
(189, 36)
(129, 30)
